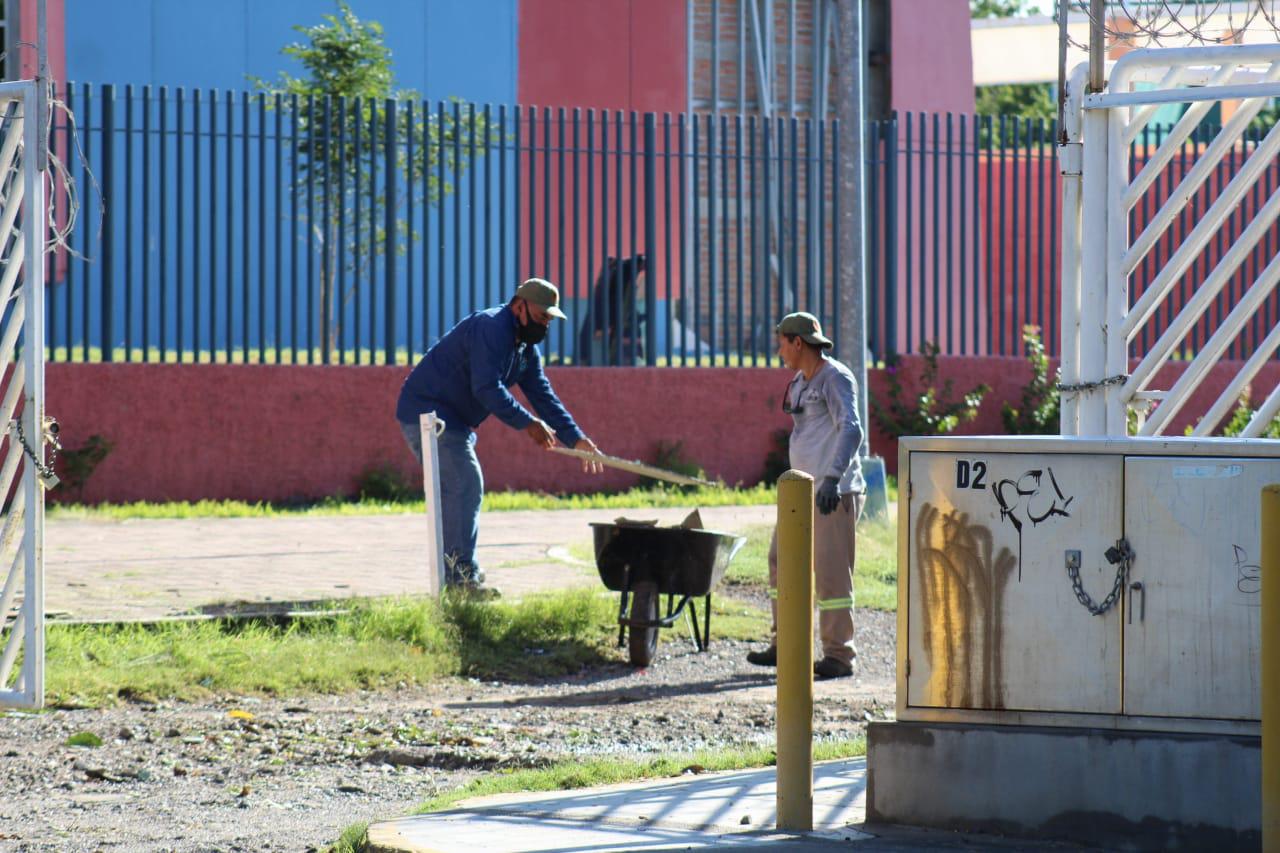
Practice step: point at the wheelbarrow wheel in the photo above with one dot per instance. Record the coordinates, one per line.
(644, 606)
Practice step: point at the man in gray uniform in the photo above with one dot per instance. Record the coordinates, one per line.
(825, 442)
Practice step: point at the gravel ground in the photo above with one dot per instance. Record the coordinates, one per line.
(243, 773)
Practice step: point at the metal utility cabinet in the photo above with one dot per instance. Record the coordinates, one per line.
(1078, 639)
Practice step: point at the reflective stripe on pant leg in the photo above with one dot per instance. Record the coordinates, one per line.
(833, 551)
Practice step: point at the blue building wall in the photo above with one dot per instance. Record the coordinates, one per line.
(441, 48)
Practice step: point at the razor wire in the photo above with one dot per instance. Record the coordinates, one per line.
(1141, 23)
(59, 182)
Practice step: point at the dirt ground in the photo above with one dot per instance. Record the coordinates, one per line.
(243, 773)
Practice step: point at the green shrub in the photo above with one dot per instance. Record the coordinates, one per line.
(932, 412)
(1240, 417)
(670, 456)
(1039, 412)
(385, 483)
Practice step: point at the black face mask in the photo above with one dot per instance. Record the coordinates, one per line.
(531, 333)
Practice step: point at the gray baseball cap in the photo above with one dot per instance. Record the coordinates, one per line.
(542, 293)
(806, 326)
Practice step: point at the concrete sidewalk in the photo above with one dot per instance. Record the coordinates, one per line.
(149, 569)
(695, 812)
(717, 811)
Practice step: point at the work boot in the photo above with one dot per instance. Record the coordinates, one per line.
(829, 667)
(767, 657)
(473, 589)
(466, 578)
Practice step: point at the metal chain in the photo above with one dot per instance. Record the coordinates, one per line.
(46, 471)
(1118, 379)
(1122, 573)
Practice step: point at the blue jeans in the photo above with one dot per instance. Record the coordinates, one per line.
(461, 489)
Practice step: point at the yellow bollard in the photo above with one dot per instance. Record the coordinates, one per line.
(795, 651)
(1270, 619)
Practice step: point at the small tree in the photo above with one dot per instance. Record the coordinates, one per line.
(349, 88)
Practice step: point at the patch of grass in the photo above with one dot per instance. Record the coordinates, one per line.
(84, 739)
(569, 775)
(354, 839)
(374, 644)
(875, 577)
(493, 502)
(730, 620)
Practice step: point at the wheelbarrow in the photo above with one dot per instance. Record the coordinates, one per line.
(644, 562)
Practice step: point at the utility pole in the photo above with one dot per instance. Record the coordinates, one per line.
(852, 269)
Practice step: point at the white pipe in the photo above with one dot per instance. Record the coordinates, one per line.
(1093, 273)
(33, 282)
(1234, 91)
(1116, 299)
(1128, 66)
(1070, 161)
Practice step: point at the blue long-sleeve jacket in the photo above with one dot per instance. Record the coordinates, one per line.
(464, 378)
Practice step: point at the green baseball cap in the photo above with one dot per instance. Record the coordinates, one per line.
(542, 293)
(806, 326)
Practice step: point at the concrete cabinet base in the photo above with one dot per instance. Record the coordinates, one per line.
(1118, 789)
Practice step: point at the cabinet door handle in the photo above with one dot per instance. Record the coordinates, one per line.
(1137, 587)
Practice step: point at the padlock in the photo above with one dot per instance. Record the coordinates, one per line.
(48, 481)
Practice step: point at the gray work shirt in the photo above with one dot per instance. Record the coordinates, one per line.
(827, 437)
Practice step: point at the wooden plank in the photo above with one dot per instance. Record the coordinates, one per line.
(634, 467)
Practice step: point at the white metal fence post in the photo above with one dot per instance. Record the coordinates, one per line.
(432, 428)
(1071, 163)
(1093, 273)
(22, 348)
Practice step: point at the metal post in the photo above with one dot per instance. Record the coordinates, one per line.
(1097, 45)
(107, 226)
(1070, 161)
(1093, 274)
(1270, 620)
(650, 243)
(389, 229)
(42, 88)
(795, 651)
(849, 112)
(432, 428)
(33, 412)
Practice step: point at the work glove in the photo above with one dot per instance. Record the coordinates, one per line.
(828, 497)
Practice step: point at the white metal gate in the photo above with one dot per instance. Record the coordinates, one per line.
(1102, 185)
(22, 217)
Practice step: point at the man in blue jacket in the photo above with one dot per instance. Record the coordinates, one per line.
(464, 378)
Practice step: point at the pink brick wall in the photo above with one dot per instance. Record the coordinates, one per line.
(259, 432)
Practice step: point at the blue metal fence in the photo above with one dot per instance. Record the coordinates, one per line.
(256, 227)
(239, 226)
